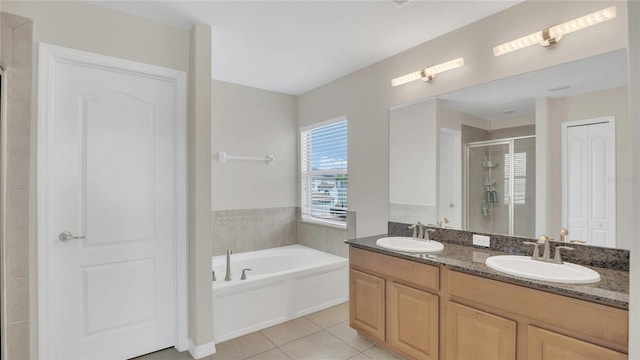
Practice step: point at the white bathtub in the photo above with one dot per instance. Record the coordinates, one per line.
(285, 283)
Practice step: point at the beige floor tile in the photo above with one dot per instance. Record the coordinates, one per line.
(345, 333)
(166, 354)
(378, 353)
(360, 356)
(331, 316)
(290, 331)
(273, 354)
(242, 347)
(321, 345)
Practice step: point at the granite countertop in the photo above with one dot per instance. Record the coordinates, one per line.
(612, 289)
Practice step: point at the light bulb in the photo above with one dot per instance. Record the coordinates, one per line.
(406, 78)
(429, 72)
(557, 31)
(583, 22)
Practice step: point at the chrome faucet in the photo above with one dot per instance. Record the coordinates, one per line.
(418, 230)
(228, 276)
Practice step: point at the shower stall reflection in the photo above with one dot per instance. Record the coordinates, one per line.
(500, 186)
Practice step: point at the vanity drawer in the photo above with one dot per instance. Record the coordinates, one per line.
(401, 270)
(600, 324)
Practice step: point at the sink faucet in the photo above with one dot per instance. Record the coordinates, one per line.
(563, 234)
(426, 234)
(546, 254)
(418, 230)
(442, 222)
(546, 242)
(228, 276)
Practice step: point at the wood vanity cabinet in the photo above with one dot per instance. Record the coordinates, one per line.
(547, 345)
(542, 325)
(412, 321)
(421, 311)
(475, 334)
(367, 304)
(404, 317)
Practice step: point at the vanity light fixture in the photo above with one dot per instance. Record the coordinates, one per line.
(550, 36)
(428, 74)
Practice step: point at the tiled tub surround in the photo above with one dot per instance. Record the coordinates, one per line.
(246, 230)
(326, 238)
(252, 229)
(459, 255)
(404, 213)
(16, 57)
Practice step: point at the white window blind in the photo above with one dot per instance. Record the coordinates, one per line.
(323, 164)
(519, 178)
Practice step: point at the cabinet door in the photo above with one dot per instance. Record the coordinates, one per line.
(366, 304)
(412, 321)
(475, 334)
(545, 345)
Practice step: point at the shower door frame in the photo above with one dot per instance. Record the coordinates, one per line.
(505, 141)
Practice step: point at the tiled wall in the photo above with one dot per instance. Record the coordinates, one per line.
(405, 213)
(17, 58)
(255, 229)
(328, 239)
(252, 229)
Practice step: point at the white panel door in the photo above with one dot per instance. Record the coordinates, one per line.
(450, 181)
(590, 192)
(577, 182)
(113, 168)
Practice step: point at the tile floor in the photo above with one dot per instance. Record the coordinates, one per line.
(322, 335)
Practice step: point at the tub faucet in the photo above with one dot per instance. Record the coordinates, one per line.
(228, 276)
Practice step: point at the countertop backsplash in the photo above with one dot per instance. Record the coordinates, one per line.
(615, 259)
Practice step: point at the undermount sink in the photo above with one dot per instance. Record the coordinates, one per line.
(407, 244)
(526, 267)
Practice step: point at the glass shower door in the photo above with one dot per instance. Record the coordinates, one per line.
(524, 187)
(501, 186)
(488, 187)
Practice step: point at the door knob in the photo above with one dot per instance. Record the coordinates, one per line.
(452, 205)
(66, 236)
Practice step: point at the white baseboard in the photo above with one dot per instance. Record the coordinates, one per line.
(200, 351)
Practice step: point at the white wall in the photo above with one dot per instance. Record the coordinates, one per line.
(509, 121)
(413, 138)
(82, 26)
(199, 197)
(366, 95)
(453, 119)
(87, 27)
(612, 102)
(252, 122)
(634, 115)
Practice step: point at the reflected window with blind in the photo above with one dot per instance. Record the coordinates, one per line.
(519, 178)
(324, 179)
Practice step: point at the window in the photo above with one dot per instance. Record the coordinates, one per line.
(323, 164)
(519, 178)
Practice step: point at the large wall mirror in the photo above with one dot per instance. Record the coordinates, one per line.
(523, 156)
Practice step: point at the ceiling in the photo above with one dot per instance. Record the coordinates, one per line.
(295, 46)
(516, 95)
